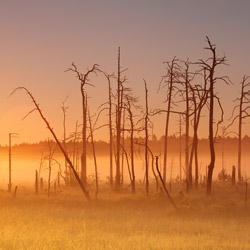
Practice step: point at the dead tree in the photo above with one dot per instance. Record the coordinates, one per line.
(186, 78)
(123, 144)
(82, 186)
(119, 109)
(108, 77)
(131, 143)
(243, 113)
(36, 182)
(10, 167)
(210, 65)
(164, 186)
(169, 80)
(146, 137)
(199, 99)
(84, 81)
(94, 154)
(50, 158)
(64, 109)
(180, 148)
(152, 161)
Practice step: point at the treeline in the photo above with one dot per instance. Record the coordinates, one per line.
(230, 145)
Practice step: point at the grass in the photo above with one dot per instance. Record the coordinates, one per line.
(124, 221)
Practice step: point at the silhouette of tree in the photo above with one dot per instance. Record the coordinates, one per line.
(119, 109)
(82, 186)
(84, 80)
(169, 81)
(209, 66)
(243, 113)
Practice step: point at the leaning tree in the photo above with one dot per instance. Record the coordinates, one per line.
(60, 145)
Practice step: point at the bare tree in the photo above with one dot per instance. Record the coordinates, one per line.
(243, 113)
(164, 186)
(84, 81)
(94, 153)
(50, 159)
(199, 99)
(146, 137)
(82, 186)
(10, 167)
(210, 65)
(169, 80)
(108, 77)
(64, 109)
(132, 129)
(180, 147)
(119, 108)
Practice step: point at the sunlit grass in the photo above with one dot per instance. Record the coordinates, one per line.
(124, 221)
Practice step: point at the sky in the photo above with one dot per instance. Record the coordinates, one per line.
(41, 39)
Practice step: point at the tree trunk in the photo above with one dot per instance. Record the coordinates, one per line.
(94, 155)
(211, 136)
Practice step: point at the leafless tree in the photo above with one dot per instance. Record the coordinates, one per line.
(82, 186)
(94, 153)
(50, 159)
(132, 128)
(164, 186)
(119, 109)
(243, 113)
(210, 65)
(84, 81)
(64, 109)
(10, 155)
(108, 77)
(169, 81)
(146, 137)
(199, 99)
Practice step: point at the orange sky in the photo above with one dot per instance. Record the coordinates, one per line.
(40, 40)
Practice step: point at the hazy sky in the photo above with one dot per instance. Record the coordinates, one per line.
(40, 40)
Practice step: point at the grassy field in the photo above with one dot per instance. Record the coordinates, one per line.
(125, 221)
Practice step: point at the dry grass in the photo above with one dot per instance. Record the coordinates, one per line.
(124, 221)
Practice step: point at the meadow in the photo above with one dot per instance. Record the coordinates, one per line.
(121, 220)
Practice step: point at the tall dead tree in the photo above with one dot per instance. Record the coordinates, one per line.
(199, 99)
(108, 77)
(119, 108)
(146, 138)
(82, 186)
(169, 80)
(84, 81)
(185, 79)
(64, 109)
(94, 154)
(210, 65)
(132, 129)
(243, 113)
(180, 148)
